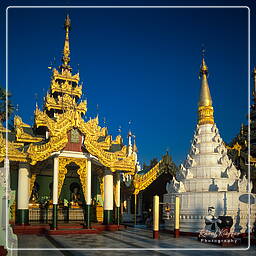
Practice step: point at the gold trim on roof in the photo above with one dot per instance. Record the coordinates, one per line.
(13, 153)
(66, 87)
(58, 130)
(22, 136)
(141, 182)
(65, 102)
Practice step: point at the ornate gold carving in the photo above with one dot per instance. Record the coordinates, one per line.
(118, 140)
(65, 102)
(31, 183)
(205, 115)
(59, 128)
(63, 162)
(237, 147)
(20, 134)
(82, 171)
(66, 87)
(65, 76)
(140, 182)
(41, 152)
(100, 175)
(74, 136)
(13, 153)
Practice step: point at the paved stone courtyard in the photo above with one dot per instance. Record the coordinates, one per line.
(134, 241)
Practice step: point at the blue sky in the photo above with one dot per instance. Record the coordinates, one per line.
(137, 64)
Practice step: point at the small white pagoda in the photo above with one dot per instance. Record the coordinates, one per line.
(208, 178)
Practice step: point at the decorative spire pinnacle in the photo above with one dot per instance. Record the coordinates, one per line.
(205, 109)
(205, 95)
(134, 147)
(254, 85)
(66, 50)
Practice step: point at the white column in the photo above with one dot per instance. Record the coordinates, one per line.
(88, 198)
(23, 186)
(108, 190)
(55, 180)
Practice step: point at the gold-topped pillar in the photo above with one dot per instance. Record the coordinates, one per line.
(55, 192)
(23, 194)
(88, 196)
(108, 197)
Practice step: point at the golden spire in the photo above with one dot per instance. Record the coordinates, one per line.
(254, 85)
(134, 147)
(205, 109)
(66, 50)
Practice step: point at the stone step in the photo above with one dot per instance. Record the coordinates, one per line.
(71, 231)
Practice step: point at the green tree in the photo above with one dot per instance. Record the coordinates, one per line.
(5, 96)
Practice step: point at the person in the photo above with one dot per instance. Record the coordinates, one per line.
(148, 219)
(211, 222)
(167, 211)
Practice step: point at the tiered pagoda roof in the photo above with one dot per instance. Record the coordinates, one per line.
(63, 112)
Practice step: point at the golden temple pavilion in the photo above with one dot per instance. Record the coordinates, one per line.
(64, 168)
(63, 157)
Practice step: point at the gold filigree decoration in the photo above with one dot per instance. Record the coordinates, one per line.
(65, 76)
(65, 102)
(141, 182)
(41, 152)
(13, 153)
(205, 115)
(31, 183)
(100, 176)
(20, 134)
(236, 147)
(70, 119)
(82, 171)
(66, 87)
(63, 162)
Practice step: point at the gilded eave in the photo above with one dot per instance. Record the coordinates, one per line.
(21, 135)
(64, 102)
(58, 130)
(11, 150)
(66, 86)
(141, 182)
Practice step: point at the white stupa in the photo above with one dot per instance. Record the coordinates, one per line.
(208, 177)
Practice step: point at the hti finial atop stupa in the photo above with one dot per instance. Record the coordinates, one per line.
(205, 109)
(66, 50)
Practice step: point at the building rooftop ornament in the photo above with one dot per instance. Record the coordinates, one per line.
(66, 50)
(205, 109)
